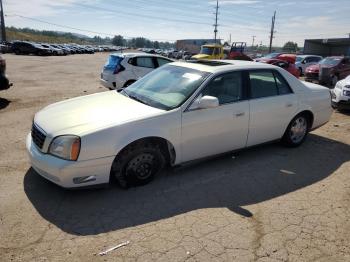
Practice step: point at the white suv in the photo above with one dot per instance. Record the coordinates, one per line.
(179, 112)
(121, 70)
(341, 94)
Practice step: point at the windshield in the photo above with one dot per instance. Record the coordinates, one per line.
(330, 61)
(207, 50)
(167, 87)
(299, 59)
(272, 55)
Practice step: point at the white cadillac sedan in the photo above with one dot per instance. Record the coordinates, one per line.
(179, 112)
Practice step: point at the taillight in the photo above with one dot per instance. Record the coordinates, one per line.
(119, 68)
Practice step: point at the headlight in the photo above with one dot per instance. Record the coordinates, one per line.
(65, 147)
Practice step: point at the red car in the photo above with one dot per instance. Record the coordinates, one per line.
(333, 69)
(288, 66)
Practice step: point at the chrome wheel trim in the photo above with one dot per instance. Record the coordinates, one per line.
(298, 130)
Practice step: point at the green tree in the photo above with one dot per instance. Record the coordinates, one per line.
(118, 40)
(290, 47)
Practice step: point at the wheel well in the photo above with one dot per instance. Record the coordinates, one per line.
(309, 115)
(129, 82)
(166, 147)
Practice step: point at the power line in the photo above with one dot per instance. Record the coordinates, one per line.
(79, 29)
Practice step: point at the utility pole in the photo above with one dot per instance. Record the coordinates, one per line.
(216, 20)
(3, 29)
(253, 40)
(272, 31)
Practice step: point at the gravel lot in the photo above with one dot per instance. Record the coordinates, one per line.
(268, 203)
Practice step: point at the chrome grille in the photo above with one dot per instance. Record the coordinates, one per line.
(38, 136)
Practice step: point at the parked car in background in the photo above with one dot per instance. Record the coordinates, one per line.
(304, 61)
(341, 94)
(54, 50)
(121, 70)
(268, 56)
(290, 67)
(27, 48)
(178, 113)
(329, 70)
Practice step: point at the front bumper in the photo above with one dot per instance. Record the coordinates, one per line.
(342, 105)
(69, 174)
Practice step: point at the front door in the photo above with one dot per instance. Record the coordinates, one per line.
(212, 131)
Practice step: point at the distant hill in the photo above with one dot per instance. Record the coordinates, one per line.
(28, 34)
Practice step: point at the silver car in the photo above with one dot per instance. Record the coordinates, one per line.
(303, 61)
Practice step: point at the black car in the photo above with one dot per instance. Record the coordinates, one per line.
(27, 48)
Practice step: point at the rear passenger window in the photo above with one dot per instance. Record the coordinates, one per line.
(162, 61)
(145, 62)
(262, 84)
(283, 87)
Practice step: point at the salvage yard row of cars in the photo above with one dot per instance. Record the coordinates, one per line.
(179, 112)
(45, 49)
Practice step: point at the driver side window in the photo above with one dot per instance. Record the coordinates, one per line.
(227, 88)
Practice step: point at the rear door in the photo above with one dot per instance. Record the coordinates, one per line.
(143, 65)
(272, 106)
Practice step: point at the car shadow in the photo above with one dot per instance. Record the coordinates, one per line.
(4, 103)
(232, 181)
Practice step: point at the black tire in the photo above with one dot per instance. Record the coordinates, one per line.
(295, 135)
(137, 164)
(128, 83)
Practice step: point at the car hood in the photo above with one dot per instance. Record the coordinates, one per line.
(201, 56)
(86, 114)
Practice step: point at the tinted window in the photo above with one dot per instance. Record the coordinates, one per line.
(315, 59)
(282, 85)
(162, 61)
(262, 84)
(145, 62)
(227, 88)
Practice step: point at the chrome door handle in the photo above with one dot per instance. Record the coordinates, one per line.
(240, 114)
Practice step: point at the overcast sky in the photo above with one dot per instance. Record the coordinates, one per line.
(181, 19)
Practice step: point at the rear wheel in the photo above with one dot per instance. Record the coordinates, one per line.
(296, 131)
(138, 164)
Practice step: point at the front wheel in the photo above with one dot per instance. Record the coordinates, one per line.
(296, 131)
(138, 164)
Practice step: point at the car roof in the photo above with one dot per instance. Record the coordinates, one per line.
(137, 54)
(304, 56)
(213, 66)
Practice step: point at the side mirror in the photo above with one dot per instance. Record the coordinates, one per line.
(208, 102)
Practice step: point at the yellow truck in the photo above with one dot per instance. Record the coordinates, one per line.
(211, 51)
